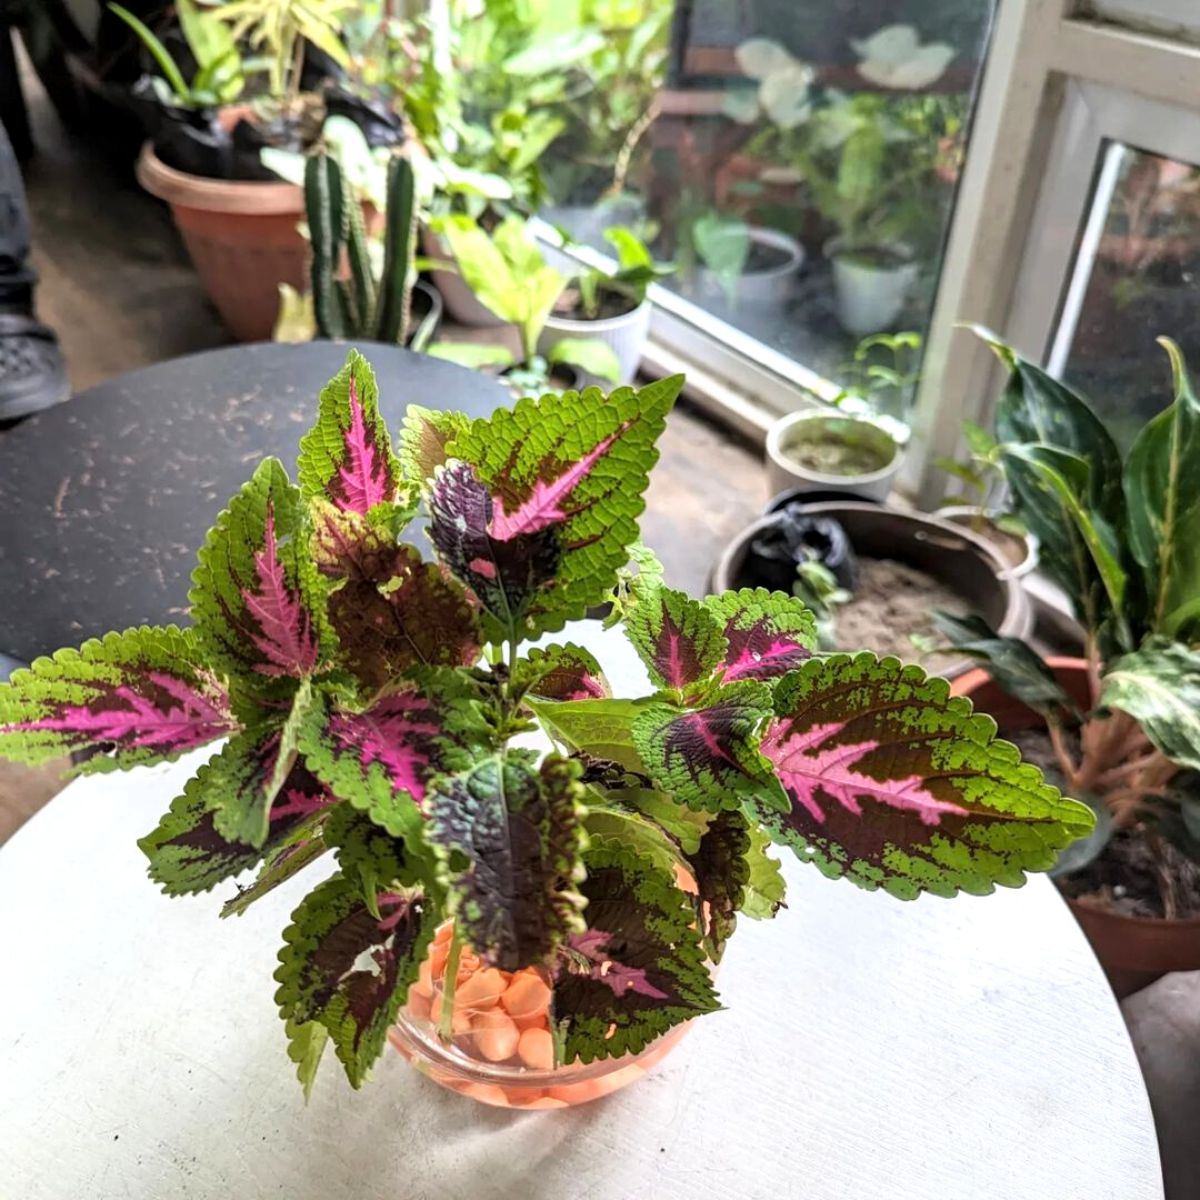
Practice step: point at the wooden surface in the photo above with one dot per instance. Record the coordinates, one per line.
(964, 1050)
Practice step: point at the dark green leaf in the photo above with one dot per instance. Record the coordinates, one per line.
(1159, 686)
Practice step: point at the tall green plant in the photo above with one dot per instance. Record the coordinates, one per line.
(1123, 541)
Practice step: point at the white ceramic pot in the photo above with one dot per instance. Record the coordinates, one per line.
(869, 299)
(461, 303)
(626, 335)
(765, 289)
(966, 515)
(783, 471)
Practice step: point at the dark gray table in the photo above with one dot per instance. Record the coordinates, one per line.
(105, 500)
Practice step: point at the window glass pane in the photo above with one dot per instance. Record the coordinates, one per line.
(796, 160)
(1135, 279)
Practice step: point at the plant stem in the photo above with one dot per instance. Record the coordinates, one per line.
(1065, 762)
(450, 986)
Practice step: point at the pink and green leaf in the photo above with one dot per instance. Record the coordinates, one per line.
(305, 846)
(424, 436)
(189, 854)
(707, 758)
(256, 599)
(347, 456)
(347, 965)
(767, 633)
(539, 522)
(561, 672)
(519, 832)
(638, 970)
(129, 698)
(678, 639)
(894, 783)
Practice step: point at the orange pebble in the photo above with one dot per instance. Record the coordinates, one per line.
(526, 996)
(539, 1020)
(480, 990)
(425, 977)
(418, 1004)
(543, 1102)
(437, 959)
(444, 934)
(495, 1035)
(536, 1049)
(489, 1093)
(460, 1022)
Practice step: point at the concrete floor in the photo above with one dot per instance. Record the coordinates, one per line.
(117, 287)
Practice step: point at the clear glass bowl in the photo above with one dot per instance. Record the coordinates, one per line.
(500, 1052)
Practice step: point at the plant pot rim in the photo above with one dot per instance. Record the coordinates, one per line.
(1032, 545)
(837, 247)
(601, 325)
(786, 424)
(237, 197)
(781, 241)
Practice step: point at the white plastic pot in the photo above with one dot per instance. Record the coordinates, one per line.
(626, 335)
(784, 472)
(766, 289)
(869, 299)
(461, 303)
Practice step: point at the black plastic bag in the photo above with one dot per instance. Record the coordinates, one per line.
(794, 538)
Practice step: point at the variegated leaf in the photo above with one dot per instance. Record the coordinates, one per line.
(519, 831)
(347, 965)
(306, 845)
(370, 855)
(677, 638)
(256, 599)
(561, 672)
(894, 783)
(721, 869)
(1159, 686)
(424, 436)
(537, 516)
(347, 456)
(188, 853)
(707, 757)
(767, 633)
(638, 969)
(129, 698)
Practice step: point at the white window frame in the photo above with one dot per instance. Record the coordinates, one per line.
(1170, 17)
(1055, 88)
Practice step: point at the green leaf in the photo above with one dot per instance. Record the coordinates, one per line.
(766, 633)
(256, 598)
(537, 517)
(707, 757)
(322, 978)
(304, 846)
(209, 40)
(131, 698)
(472, 354)
(166, 64)
(346, 457)
(306, 1043)
(765, 889)
(599, 729)
(552, 54)
(619, 828)
(678, 638)
(424, 435)
(639, 968)
(1159, 686)
(894, 783)
(1162, 493)
(371, 856)
(510, 838)
(1011, 663)
(589, 354)
(188, 853)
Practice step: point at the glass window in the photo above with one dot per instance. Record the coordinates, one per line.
(1135, 278)
(796, 160)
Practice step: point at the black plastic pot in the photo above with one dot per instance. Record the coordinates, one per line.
(953, 555)
(801, 495)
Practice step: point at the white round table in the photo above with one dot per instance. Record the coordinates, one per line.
(963, 1050)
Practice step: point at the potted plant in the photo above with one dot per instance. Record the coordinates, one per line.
(746, 265)
(533, 928)
(238, 220)
(981, 475)
(608, 306)
(833, 451)
(1118, 727)
(509, 275)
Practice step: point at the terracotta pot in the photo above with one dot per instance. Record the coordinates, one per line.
(1134, 951)
(242, 238)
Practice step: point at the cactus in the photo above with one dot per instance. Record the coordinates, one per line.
(360, 307)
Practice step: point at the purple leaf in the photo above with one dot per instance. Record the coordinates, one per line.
(133, 697)
(768, 633)
(616, 976)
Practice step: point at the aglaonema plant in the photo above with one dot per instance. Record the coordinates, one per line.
(370, 703)
(1122, 539)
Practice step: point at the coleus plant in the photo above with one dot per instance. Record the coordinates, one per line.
(1122, 539)
(369, 703)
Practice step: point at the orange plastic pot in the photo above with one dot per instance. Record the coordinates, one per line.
(1134, 951)
(243, 239)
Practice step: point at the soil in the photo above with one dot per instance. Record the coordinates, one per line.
(834, 454)
(1125, 877)
(765, 257)
(611, 304)
(892, 602)
(1011, 548)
